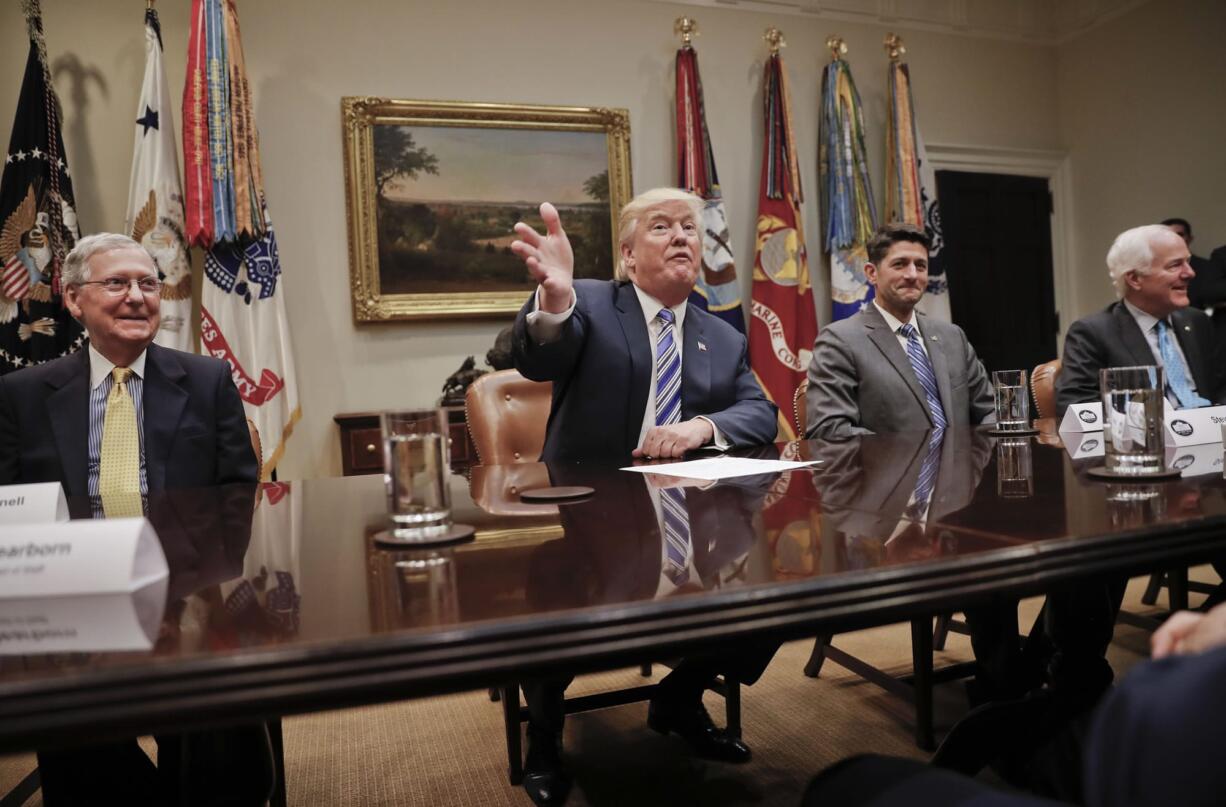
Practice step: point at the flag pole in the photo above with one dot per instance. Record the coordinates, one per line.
(774, 40)
(687, 29)
(893, 46)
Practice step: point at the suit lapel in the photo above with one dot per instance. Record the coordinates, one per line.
(638, 348)
(68, 408)
(1192, 352)
(1131, 336)
(163, 402)
(695, 366)
(940, 366)
(879, 334)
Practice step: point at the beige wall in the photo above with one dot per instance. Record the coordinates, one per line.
(1142, 118)
(301, 61)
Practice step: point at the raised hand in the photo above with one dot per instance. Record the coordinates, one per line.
(549, 258)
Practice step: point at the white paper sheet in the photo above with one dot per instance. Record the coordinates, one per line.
(719, 467)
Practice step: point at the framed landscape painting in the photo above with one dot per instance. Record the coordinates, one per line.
(433, 189)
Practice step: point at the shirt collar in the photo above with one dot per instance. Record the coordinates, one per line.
(651, 307)
(1145, 321)
(100, 367)
(894, 322)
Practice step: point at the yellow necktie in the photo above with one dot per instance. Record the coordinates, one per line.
(119, 470)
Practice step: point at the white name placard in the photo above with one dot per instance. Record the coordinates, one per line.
(1191, 427)
(1085, 417)
(94, 622)
(1197, 460)
(1089, 444)
(40, 503)
(79, 557)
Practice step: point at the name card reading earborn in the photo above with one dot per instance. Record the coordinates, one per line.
(79, 557)
(1193, 427)
(40, 503)
(1084, 417)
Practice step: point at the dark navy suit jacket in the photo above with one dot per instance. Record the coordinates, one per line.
(195, 430)
(601, 373)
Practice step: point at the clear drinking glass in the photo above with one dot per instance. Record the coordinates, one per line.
(1012, 400)
(415, 464)
(1132, 419)
(1014, 468)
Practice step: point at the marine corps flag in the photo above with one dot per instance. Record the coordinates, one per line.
(242, 307)
(784, 324)
(38, 222)
(911, 190)
(847, 195)
(155, 196)
(717, 289)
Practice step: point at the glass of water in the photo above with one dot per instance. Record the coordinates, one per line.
(415, 465)
(1012, 400)
(1134, 442)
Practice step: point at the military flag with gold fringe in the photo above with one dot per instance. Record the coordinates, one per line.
(242, 308)
(911, 191)
(155, 194)
(38, 220)
(784, 323)
(847, 196)
(717, 288)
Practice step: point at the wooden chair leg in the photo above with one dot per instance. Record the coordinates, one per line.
(26, 788)
(279, 795)
(732, 707)
(1177, 588)
(1150, 597)
(495, 695)
(510, 721)
(921, 658)
(813, 666)
(645, 670)
(941, 632)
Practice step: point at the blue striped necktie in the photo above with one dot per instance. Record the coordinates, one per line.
(924, 373)
(678, 545)
(668, 371)
(1176, 375)
(927, 478)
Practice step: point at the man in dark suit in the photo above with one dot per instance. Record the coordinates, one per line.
(117, 421)
(601, 343)
(637, 372)
(1150, 268)
(1207, 290)
(890, 368)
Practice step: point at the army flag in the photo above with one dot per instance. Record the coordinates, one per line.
(784, 323)
(847, 196)
(911, 192)
(155, 195)
(717, 288)
(242, 307)
(38, 220)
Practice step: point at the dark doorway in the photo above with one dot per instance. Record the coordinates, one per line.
(998, 261)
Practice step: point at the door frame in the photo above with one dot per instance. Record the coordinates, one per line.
(1054, 167)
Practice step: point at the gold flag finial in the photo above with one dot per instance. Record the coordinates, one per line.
(148, 4)
(686, 28)
(838, 48)
(894, 47)
(774, 39)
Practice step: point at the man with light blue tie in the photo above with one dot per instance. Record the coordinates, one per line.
(638, 372)
(890, 368)
(1151, 324)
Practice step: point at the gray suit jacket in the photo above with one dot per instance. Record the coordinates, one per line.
(861, 381)
(1112, 338)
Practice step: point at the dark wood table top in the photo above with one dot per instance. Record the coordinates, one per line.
(280, 600)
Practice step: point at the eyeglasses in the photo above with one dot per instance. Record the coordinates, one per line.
(121, 285)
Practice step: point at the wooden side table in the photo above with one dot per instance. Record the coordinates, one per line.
(361, 449)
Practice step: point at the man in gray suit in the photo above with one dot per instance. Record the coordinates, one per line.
(890, 368)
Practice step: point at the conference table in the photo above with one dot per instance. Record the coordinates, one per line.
(282, 600)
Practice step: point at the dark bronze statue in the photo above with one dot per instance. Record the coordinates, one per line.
(457, 383)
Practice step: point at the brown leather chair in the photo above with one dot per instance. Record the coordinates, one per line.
(257, 447)
(1043, 388)
(798, 408)
(506, 416)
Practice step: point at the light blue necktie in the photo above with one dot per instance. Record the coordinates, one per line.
(1176, 371)
(668, 372)
(678, 545)
(924, 374)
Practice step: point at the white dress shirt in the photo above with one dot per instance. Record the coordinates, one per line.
(895, 323)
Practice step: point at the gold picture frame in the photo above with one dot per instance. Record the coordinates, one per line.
(428, 232)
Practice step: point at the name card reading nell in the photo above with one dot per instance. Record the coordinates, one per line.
(40, 503)
(79, 557)
(1193, 427)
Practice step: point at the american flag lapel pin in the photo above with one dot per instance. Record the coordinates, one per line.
(702, 346)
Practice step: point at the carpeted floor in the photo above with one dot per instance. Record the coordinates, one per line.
(449, 750)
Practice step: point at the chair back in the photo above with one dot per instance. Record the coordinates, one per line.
(1043, 388)
(257, 447)
(798, 408)
(506, 415)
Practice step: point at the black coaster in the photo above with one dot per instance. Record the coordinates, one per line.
(1101, 472)
(1013, 432)
(558, 494)
(456, 534)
